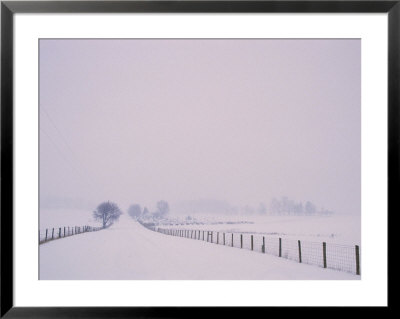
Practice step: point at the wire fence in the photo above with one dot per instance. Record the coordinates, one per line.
(49, 234)
(327, 255)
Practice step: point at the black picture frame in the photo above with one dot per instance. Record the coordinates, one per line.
(9, 8)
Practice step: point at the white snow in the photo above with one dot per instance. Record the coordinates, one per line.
(127, 250)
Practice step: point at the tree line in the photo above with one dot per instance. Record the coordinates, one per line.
(286, 206)
(109, 212)
(136, 211)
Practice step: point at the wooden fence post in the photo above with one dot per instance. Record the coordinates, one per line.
(52, 234)
(64, 231)
(299, 251)
(263, 246)
(357, 260)
(224, 239)
(280, 247)
(241, 240)
(59, 232)
(232, 239)
(324, 253)
(212, 237)
(217, 238)
(251, 242)
(46, 235)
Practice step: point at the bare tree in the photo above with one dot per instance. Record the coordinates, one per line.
(135, 211)
(107, 213)
(163, 208)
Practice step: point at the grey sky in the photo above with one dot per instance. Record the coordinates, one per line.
(136, 121)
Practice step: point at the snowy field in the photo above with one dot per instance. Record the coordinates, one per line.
(127, 250)
(338, 229)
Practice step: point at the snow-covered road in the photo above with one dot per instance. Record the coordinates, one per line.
(127, 250)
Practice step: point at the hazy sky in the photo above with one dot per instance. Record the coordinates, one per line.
(135, 121)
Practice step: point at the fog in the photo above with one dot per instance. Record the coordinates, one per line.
(235, 121)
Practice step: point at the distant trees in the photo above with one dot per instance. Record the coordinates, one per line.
(107, 213)
(310, 208)
(135, 211)
(286, 206)
(145, 213)
(262, 210)
(162, 209)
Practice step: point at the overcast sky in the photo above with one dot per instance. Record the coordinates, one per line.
(136, 121)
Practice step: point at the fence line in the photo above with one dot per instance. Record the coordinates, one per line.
(333, 256)
(49, 234)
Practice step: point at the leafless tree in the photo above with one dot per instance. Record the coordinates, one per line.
(107, 213)
(162, 209)
(135, 211)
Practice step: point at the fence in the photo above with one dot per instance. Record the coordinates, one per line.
(334, 256)
(61, 232)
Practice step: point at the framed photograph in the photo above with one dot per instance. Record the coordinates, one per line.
(158, 156)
